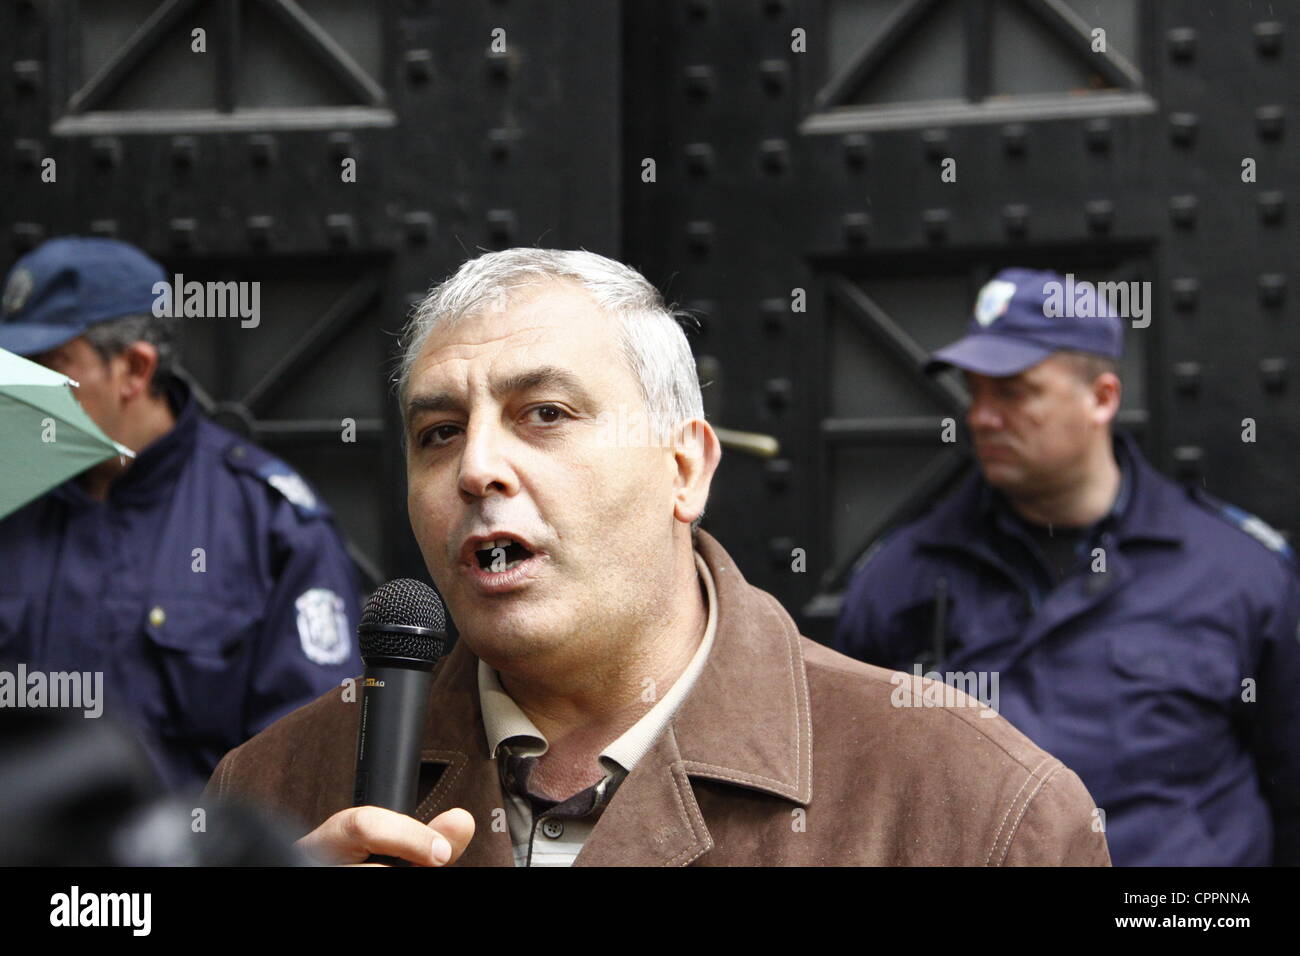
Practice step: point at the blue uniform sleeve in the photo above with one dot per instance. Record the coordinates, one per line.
(308, 643)
(1276, 737)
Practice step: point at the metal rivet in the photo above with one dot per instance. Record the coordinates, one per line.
(699, 82)
(935, 142)
(775, 155)
(699, 159)
(779, 550)
(1185, 292)
(699, 236)
(502, 226)
(778, 472)
(774, 75)
(1268, 37)
(857, 149)
(778, 392)
(1273, 374)
(104, 228)
(1182, 128)
(184, 150)
(342, 145)
(1188, 461)
(182, 233)
(935, 223)
(1015, 138)
(1182, 210)
(341, 230)
(1269, 121)
(1272, 289)
(418, 225)
(501, 142)
(27, 153)
(1097, 133)
(855, 226)
(776, 313)
(1100, 214)
(262, 149)
(27, 75)
(419, 66)
(106, 151)
(1272, 207)
(27, 235)
(1015, 218)
(1182, 43)
(1187, 377)
(258, 229)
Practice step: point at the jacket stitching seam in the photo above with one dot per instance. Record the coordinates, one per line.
(1011, 834)
(440, 791)
(997, 837)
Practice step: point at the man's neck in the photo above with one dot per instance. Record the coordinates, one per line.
(141, 428)
(1077, 504)
(579, 718)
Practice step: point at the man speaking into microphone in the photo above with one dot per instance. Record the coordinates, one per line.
(619, 694)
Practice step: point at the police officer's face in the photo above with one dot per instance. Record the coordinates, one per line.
(1034, 430)
(506, 441)
(99, 382)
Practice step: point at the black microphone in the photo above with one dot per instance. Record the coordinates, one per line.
(403, 633)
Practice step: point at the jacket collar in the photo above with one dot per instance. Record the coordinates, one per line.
(158, 464)
(1146, 508)
(746, 723)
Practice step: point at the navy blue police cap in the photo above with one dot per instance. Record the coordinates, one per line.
(1022, 316)
(65, 285)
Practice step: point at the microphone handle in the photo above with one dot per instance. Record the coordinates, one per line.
(394, 704)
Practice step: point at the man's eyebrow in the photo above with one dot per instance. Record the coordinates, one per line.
(547, 376)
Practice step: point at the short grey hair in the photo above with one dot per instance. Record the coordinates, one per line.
(113, 336)
(650, 333)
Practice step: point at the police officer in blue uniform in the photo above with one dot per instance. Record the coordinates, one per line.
(204, 580)
(1143, 633)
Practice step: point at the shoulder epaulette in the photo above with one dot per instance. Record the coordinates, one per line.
(248, 458)
(1253, 525)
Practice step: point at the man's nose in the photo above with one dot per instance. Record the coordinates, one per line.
(982, 415)
(485, 467)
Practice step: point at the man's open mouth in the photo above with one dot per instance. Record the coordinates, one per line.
(501, 555)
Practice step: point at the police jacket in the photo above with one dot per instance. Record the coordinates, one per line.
(211, 590)
(1163, 669)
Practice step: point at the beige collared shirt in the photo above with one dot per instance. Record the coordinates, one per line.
(557, 842)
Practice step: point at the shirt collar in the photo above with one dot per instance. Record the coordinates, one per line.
(505, 722)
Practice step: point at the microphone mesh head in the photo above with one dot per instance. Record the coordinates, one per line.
(407, 602)
(404, 603)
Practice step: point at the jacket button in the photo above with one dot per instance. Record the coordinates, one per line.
(157, 616)
(553, 829)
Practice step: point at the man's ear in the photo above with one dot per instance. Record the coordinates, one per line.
(138, 361)
(1106, 393)
(696, 455)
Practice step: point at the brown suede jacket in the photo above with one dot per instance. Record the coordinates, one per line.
(784, 753)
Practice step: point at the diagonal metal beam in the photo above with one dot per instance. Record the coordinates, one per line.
(1057, 16)
(140, 44)
(878, 325)
(322, 333)
(900, 22)
(323, 46)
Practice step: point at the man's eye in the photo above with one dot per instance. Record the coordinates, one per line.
(548, 414)
(437, 435)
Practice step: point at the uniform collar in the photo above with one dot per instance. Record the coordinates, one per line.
(746, 723)
(505, 723)
(1145, 507)
(157, 465)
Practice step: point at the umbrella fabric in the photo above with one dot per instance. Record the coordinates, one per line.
(37, 404)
